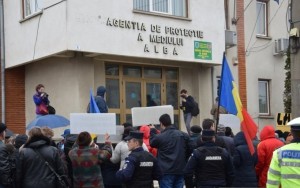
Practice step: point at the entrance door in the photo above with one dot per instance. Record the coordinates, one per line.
(131, 86)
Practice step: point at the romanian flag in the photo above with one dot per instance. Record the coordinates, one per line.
(93, 106)
(230, 100)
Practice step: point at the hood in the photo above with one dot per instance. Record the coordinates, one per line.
(101, 91)
(37, 142)
(146, 130)
(239, 139)
(267, 132)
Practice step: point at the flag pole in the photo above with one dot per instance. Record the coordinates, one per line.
(219, 94)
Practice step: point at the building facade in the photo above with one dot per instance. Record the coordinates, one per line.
(266, 39)
(295, 57)
(136, 48)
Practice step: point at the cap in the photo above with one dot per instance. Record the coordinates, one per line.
(208, 132)
(295, 124)
(66, 132)
(20, 140)
(135, 134)
(196, 129)
(2, 127)
(221, 128)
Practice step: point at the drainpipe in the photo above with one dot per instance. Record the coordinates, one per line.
(2, 61)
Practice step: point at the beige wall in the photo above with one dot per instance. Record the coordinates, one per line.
(68, 80)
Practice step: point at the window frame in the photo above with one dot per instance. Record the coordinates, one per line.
(267, 94)
(24, 10)
(266, 18)
(170, 9)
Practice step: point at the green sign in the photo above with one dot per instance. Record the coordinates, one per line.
(202, 50)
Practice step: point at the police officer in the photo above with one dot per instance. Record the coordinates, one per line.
(212, 165)
(284, 169)
(140, 168)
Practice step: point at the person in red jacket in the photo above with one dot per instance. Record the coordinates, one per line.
(265, 150)
(146, 130)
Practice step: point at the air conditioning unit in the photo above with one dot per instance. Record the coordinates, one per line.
(281, 45)
(230, 39)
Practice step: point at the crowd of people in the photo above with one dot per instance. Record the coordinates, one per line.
(208, 157)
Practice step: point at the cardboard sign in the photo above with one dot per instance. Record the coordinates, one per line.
(282, 120)
(96, 123)
(232, 121)
(114, 138)
(150, 115)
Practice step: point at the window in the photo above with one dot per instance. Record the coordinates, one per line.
(261, 22)
(32, 6)
(171, 7)
(263, 95)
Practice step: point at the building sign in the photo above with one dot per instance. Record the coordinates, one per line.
(282, 120)
(162, 39)
(203, 50)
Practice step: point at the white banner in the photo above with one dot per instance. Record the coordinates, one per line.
(96, 123)
(150, 115)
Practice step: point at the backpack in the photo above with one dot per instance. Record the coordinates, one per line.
(195, 109)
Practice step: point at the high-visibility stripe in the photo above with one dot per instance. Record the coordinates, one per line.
(275, 172)
(294, 164)
(290, 176)
(273, 182)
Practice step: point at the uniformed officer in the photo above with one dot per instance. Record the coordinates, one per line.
(140, 168)
(212, 165)
(284, 169)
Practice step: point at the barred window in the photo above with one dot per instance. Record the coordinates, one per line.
(171, 7)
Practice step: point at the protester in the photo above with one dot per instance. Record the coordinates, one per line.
(209, 124)
(6, 180)
(194, 137)
(268, 144)
(289, 138)
(41, 100)
(173, 151)
(141, 167)
(100, 100)
(211, 164)
(215, 107)
(279, 135)
(69, 144)
(61, 145)
(244, 163)
(186, 106)
(146, 139)
(32, 170)
(121, 151)
(86, 160)
(228, 132)
(150, 101)
(228, 140)
(49, 133)
(284, 168)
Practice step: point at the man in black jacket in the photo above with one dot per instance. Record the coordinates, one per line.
(187, 106)
(173, 148)
(5, 166)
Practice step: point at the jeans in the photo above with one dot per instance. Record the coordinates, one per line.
(187, 121)
(171, 181)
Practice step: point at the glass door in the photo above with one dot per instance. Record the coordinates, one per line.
(133, 93)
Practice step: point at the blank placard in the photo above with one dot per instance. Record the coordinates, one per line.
(150, 115)
(232, 121)
(96, 123)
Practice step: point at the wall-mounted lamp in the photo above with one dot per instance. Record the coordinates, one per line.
(294, 40)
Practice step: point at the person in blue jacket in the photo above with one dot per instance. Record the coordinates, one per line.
(141, 167)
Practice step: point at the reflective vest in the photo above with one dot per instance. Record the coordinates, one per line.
(285, 167)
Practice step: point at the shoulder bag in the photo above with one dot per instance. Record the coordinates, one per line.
(62, 182)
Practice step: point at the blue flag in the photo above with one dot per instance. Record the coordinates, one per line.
(93, 106)
(277, 1)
